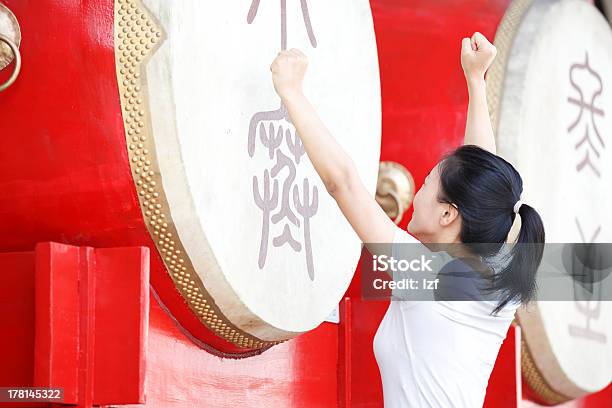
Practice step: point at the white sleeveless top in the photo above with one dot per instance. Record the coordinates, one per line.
(438, 353)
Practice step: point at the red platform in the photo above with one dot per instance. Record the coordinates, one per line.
(80, 318)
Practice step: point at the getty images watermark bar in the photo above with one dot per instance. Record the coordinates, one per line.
(413, 271)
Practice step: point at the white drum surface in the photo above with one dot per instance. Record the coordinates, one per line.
(270, 245)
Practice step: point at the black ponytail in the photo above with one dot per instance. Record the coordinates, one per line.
(485, 188)
(517, 280)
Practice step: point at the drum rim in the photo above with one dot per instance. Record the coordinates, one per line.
(133, 47)
(189, 262)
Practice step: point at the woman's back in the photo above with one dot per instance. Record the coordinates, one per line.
(439, 353)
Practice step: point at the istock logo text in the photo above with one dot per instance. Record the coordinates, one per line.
(385, 263)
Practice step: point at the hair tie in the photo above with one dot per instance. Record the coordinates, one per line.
(517, 206)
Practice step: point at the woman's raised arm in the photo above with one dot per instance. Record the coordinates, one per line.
(336, 169)
(477, 54)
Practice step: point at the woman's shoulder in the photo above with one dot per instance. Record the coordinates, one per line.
(402, 236)
(407, 246)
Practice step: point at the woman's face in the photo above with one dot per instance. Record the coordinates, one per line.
(426, 222)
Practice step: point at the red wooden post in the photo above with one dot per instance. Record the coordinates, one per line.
(345, 355)
(85, 311)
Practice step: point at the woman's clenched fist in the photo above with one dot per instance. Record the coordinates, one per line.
(288, 70)
(477, 55)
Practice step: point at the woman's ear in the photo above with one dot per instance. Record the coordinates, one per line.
(449, 214)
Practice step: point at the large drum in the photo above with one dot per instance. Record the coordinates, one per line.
(169, 134)
(551, 100)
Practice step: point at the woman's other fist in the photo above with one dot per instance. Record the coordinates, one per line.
(477, 55)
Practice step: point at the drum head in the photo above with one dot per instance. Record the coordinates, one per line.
(253, 232)
(555, 118)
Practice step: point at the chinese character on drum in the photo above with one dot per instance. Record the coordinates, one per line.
(587, 297)
(588, 85)
(296, 203)
(585, 144)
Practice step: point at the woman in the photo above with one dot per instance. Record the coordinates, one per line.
(435, 354)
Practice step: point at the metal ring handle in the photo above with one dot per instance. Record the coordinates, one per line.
(17, 67)
(400, 207)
